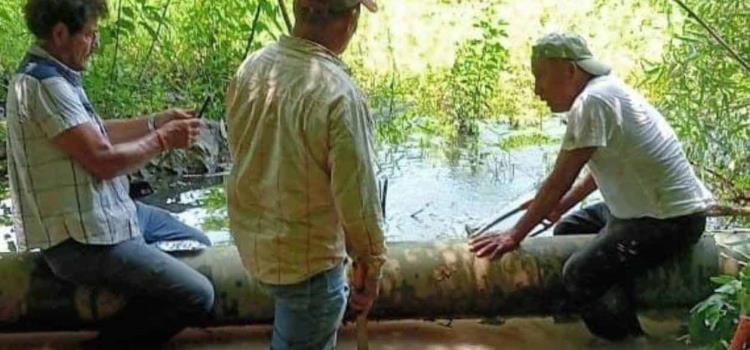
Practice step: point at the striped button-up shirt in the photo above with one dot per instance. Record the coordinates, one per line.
(54, 198)
(302, 192)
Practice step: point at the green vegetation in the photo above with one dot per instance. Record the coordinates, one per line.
(215, 203)
(443, 68)
(706, 95)
(524, 139)
(713, 321)
(158, 53)
(423, 78)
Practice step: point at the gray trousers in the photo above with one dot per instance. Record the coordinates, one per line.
(598, 278)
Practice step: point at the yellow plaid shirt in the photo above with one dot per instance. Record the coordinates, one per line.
(302, 193)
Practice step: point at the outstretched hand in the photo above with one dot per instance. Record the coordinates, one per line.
(493, 244)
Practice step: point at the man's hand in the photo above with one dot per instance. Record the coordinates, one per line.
(181, 133)
(365, 290)
(164, 117)
(493, 244)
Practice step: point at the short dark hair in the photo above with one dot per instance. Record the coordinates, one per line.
(42, 15)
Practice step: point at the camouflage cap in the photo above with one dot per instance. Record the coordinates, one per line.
(571, 47)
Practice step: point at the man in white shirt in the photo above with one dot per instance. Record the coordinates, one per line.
(654, 204)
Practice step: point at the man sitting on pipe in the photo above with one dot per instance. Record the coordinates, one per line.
(653, 203)
(67, 171)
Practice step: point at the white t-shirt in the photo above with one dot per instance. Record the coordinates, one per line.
(639, 164)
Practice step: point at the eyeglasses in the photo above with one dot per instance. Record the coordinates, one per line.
(92, 35)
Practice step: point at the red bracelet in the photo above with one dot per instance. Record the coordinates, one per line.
(162, 142)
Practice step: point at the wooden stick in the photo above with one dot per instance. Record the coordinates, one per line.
(741, 337)
(499, 219)
(362, 341)
(360, 276)
(727, 210)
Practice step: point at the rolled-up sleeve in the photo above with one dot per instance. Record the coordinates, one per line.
(58, 107)
(354, 185)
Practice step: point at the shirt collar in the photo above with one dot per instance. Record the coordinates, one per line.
(72, 75)
(311, 48)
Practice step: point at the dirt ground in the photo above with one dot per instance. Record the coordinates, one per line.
(520, 333)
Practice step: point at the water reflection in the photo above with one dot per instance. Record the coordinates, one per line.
(436, 185)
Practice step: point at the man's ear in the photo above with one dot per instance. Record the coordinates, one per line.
(570, 69)
(59, 34)
(352, 21)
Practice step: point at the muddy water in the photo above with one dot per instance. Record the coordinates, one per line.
(437, 186)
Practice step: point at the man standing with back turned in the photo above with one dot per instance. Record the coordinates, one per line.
(302, 192)
(653, 203)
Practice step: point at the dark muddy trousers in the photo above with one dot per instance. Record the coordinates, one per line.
(598, 278)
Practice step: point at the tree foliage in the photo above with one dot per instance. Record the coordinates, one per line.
(159, 53)
(706, 94)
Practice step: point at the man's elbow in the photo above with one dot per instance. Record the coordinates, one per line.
(103, 172)
(102, 166)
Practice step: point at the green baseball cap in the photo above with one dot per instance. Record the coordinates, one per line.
(571, 47)
(341, 5)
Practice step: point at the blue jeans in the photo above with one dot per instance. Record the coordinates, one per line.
(308, 314)
(159, 225)
(164, 295)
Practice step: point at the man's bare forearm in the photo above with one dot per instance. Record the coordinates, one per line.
(95, 153)
(546, 200)
(580, 190)
(567, 168)
(128, 130)
(124, 158)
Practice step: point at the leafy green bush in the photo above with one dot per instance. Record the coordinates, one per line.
(713, 321)
(215, 203)
(156, 54)
(524, 139)
(473, 80)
